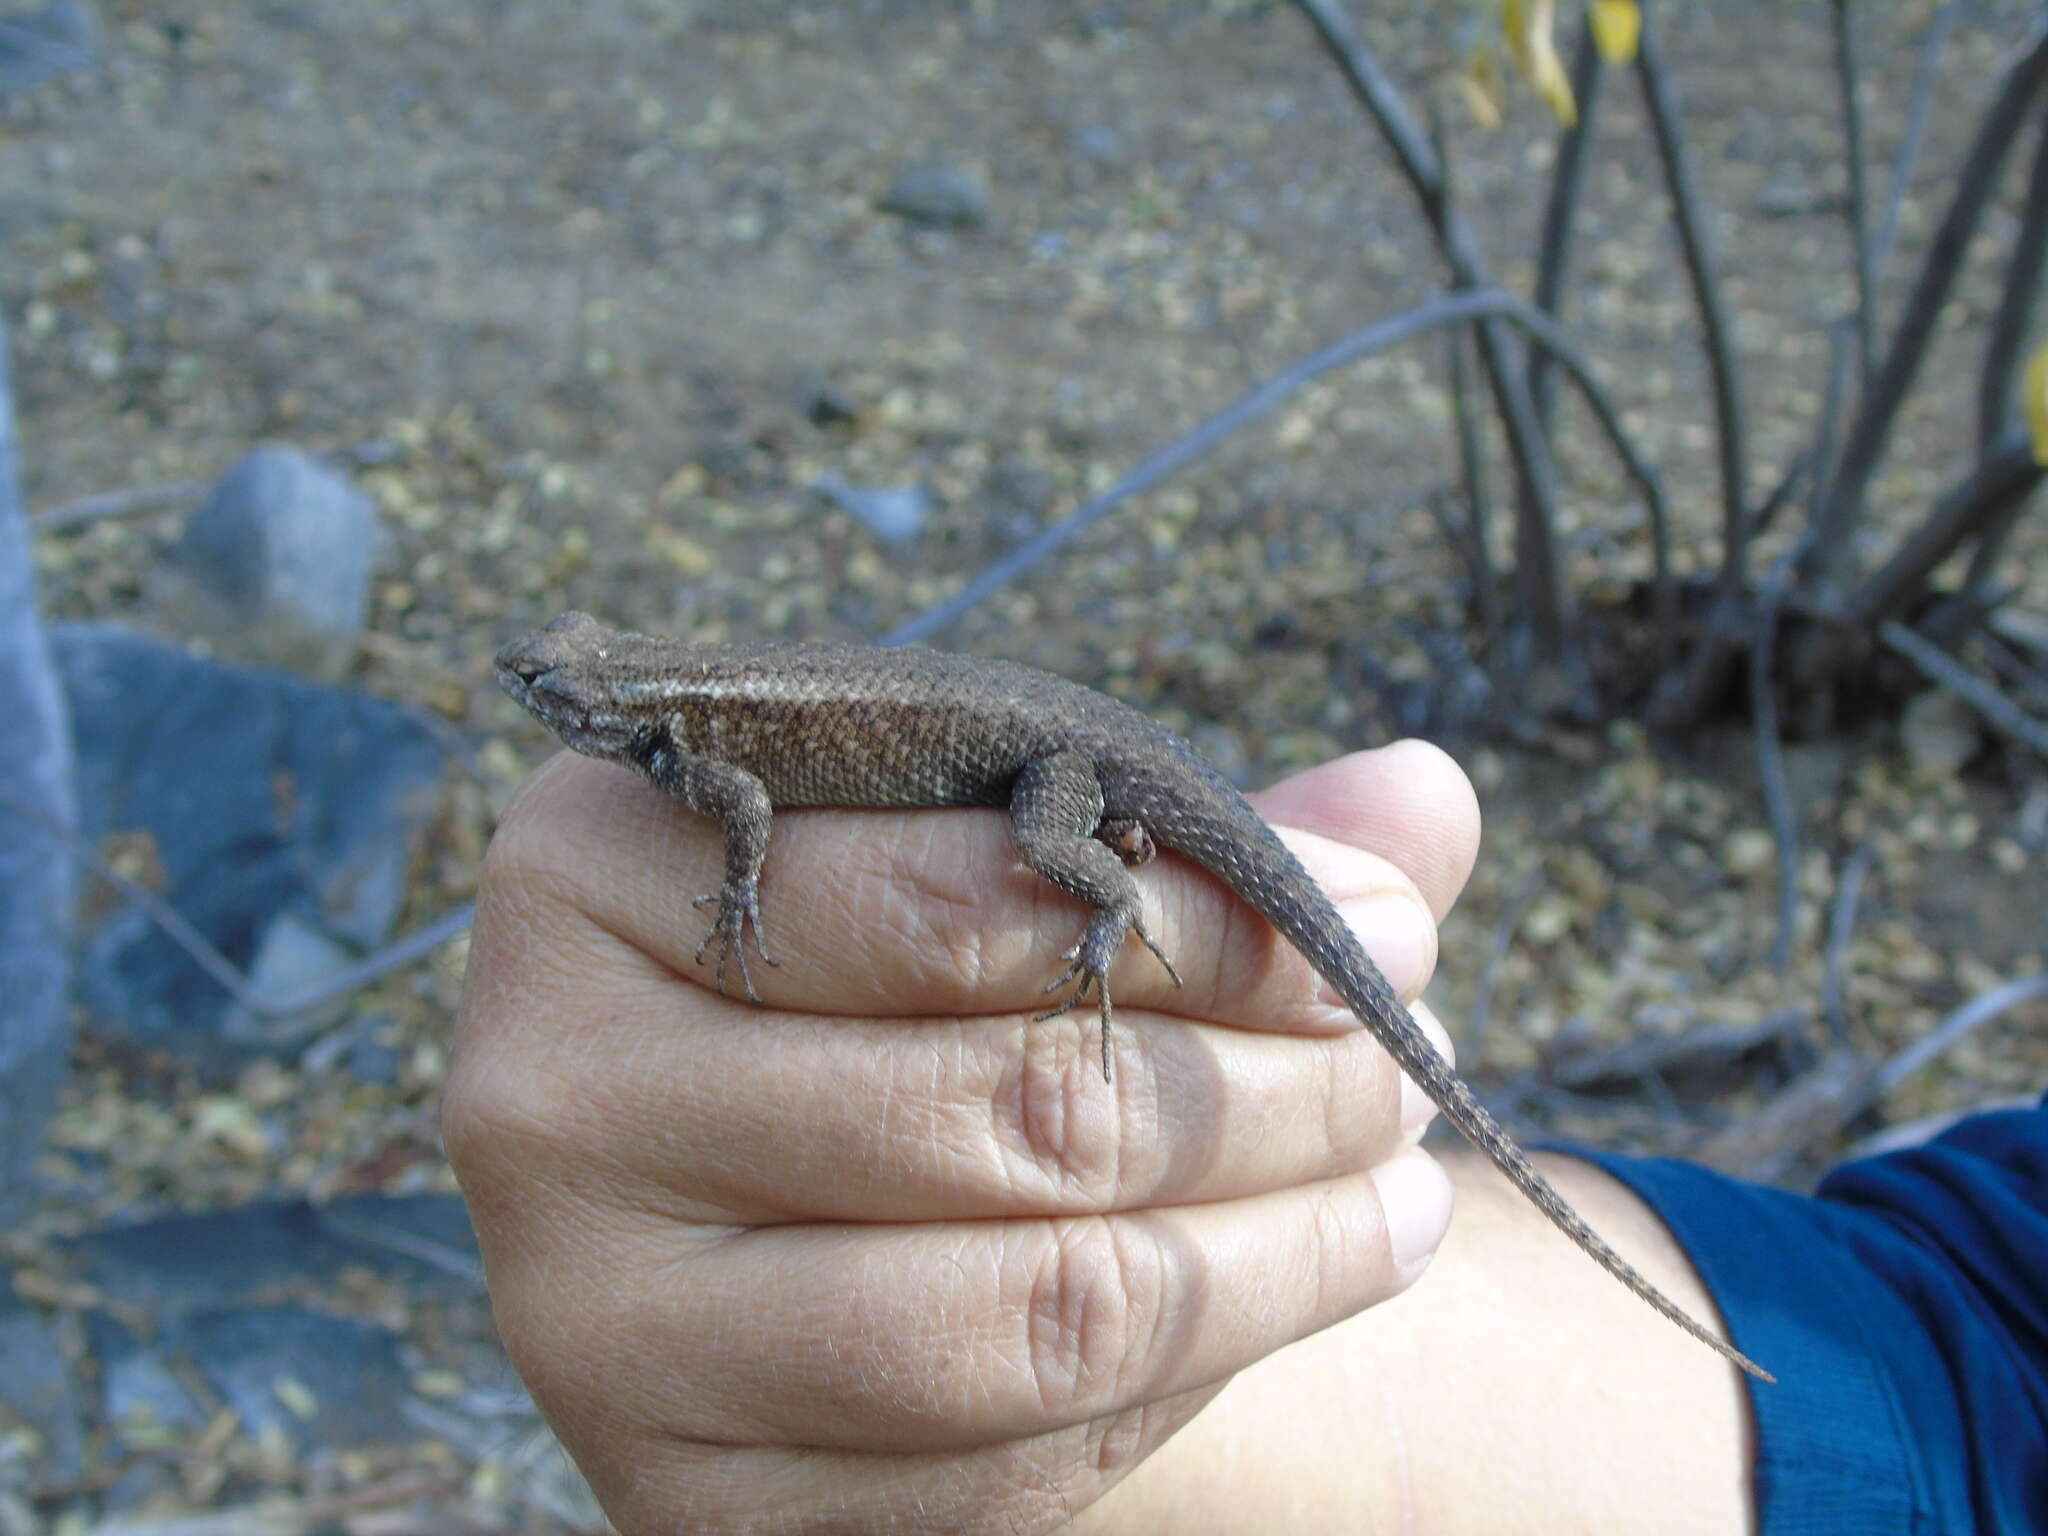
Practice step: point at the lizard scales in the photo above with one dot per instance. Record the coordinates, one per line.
(735, 731)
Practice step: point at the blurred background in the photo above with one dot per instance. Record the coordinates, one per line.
(347, 341)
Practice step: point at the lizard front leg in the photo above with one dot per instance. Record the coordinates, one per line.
(1056, 823)
(738, 802)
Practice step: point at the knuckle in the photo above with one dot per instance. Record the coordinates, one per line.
(1060, 1136)
(498, 1119)
(1098, 1298)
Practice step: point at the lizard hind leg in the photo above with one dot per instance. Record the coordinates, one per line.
(1056, 821)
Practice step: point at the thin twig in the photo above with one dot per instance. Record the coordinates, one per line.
(1567, 181)
(1935, 663)
(223, 971)
(1765, 1145)
(1716, 334)
(1545, 602)
(1830, 422)
(2007, 474)
(1849, 73)
(1697, 1051)
(1841, 926)
(1496, 952)
(1870, 433)
(1844, 1085)
(169, 493)
(1780, 495)
(1477, 543)
(142, 498)
(294, 1516)
(1973, 1015)
(1448, 309)
(1917, 112)
(2006, 336)
(1770, 755)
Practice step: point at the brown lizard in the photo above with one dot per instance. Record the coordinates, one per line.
(1092, 785)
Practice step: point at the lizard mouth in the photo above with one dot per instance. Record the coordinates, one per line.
(551, 695)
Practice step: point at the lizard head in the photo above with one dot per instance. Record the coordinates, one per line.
(566, 676)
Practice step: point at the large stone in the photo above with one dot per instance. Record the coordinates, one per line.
(39, 45)
(283, 549)
(276, 816)
(319, 1379)
(936, 194)
(37, 871)
(171, 1265)
(37, 1390)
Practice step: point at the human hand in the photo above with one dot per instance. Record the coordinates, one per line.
(884, 1252)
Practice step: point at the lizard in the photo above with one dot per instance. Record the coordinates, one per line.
(1093, 787)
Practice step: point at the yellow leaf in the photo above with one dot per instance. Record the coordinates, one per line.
(2037, 403)
(1480, 85)
(1527, 25)
(1617, 25)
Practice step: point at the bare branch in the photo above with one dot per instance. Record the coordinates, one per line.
(2005, 476)
(1841, 926)
(2004, 715)
(1553, 264)
(1686, 208)
(1449, 309)
(1844, 1085)
(1830, 422)
(1546, 603)
(142, 498)
(1921, 100)
(1849, 73)
(222, 971)
(151, 498)
(2007, 333)
(1478, 542)
(1380, 98)
(1966, 1020)
(1496, 954)
(1770, 754)
(1871, 431)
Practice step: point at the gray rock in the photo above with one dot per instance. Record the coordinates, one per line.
(1939, 732)
(137, 1383)
(263, 800)
(36, 1388)
(937, 194)
(895, 513)
(1098, 143)
(41, 44)
(179, 1264)
(284, 549)
(38, 877)
(322, 1380)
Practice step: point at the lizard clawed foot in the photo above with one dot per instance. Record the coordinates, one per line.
(1088, 969)
(737, 906)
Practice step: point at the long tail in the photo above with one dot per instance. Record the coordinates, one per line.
(1226, 837)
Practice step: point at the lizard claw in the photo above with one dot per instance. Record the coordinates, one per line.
(736, 908)
(1088, 963)
(1091, 979)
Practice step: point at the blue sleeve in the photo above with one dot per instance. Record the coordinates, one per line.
(1904, 1309)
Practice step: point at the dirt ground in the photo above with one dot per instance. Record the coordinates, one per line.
(613, 284)
(592, 273)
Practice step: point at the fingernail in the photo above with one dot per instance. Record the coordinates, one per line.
(1398, 935)
(1415, 1198)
